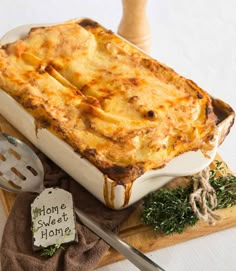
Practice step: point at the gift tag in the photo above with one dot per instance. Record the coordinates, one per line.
(53, 220)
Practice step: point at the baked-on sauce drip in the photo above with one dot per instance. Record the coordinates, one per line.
(109, 192)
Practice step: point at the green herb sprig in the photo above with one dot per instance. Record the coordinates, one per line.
(51, 250)
(168, 210)
(225, 187)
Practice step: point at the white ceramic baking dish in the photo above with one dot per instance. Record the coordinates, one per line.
(106, 190)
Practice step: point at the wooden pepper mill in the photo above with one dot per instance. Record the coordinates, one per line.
(134, 25)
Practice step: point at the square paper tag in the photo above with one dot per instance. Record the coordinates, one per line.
(53, 220)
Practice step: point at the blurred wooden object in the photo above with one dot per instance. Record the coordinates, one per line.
(134, 24)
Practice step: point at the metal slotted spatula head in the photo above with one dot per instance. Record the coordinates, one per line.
(20, 167)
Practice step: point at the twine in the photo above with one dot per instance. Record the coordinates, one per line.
(203, 200)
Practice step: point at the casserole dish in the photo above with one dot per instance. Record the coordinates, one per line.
(113, 187)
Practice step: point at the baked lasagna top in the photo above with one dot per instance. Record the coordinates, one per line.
(117, 107)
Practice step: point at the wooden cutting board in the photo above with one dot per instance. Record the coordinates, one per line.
(132, 231)
(146, 240)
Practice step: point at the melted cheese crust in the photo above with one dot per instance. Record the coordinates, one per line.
(123, 111)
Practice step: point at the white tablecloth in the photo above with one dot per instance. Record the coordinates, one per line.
(198, 40)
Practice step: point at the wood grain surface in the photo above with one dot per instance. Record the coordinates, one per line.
(132, 231)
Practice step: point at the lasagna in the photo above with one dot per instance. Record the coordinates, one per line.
(123, 111)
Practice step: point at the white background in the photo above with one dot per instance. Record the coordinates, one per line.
(198, 40)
